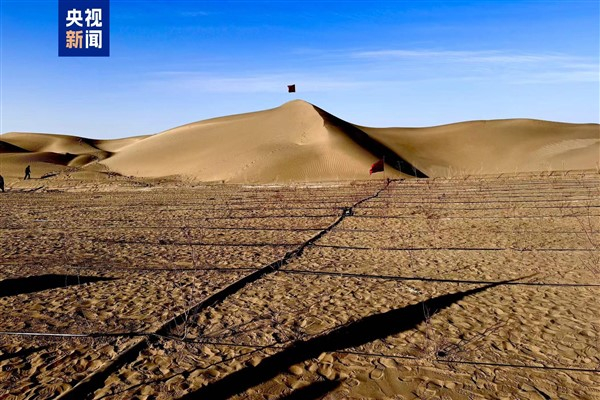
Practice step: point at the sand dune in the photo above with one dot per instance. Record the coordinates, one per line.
(43, 142)
(49, 153)
(290, 143)
(299, 142)
(496, 146)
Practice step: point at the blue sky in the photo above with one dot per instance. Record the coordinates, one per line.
(374, 63)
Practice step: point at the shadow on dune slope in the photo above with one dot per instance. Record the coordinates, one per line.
(373, 146)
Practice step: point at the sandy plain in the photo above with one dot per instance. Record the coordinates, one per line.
(456, 288)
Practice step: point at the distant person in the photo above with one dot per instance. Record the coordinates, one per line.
(27, 173)
(2, 183)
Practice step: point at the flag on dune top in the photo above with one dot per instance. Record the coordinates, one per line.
(376, 167)
(291, 88)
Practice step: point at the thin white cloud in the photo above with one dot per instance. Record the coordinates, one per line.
(553, 77)
(382, 69)
(195, 13)
(500, 65)
(483, 56)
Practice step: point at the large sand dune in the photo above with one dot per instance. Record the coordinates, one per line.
(289, 143)
(301, 142)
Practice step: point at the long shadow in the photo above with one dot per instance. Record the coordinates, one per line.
(31, 284)
(22, 353)
(357, 333)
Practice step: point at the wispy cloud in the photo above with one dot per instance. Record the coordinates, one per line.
(382, 69)
(483, 56)
(195, 13)
(506, 66)
(591, 74)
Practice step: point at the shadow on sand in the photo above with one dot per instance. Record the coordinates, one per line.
(371, 145)
(354, 334)
(31, 284)
(24, 353)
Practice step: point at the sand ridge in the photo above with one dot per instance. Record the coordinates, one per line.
(299, 142)
(496, 146)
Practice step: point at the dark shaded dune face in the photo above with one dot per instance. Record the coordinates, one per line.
(54, 158)
(46, 142)
(25, 158)
(84, 159)
(6, 147)
(373, 146)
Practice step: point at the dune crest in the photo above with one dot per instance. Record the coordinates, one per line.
(299, 142)
(290, 143)
(495, 146)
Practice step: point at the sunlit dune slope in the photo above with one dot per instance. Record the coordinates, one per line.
(299, 142)
(496, 146)
(294, 142)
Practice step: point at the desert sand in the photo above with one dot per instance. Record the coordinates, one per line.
(205, 262)
(299, 142)
(457, 288)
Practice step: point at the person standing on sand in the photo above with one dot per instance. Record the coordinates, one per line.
(2, 183)
(27, 173)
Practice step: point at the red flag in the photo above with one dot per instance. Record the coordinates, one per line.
(291, 88)
(376, 167)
